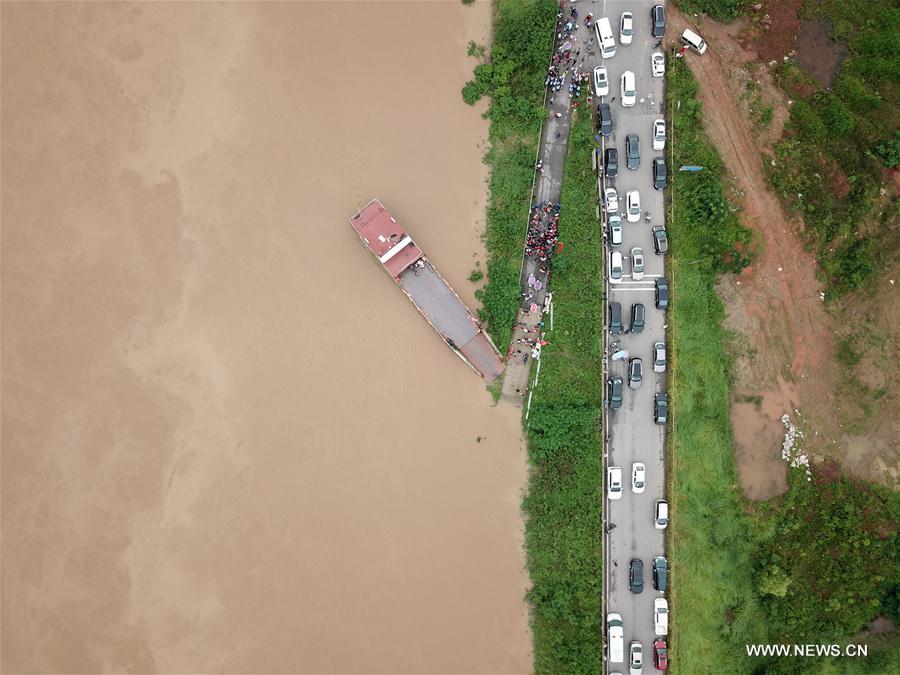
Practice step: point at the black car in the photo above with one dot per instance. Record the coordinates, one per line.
(614, 388)
(658, 21)
(660, 573)
(662, 293)
(636, 575)
(615, 318)
(660, 407)
(611, 159)
(604, 114)
(637, 318)
(633, 152)
(660, 239)
(660, 174)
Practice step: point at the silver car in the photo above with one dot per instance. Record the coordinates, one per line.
(637, 263)
(635, 373)
(659, 357)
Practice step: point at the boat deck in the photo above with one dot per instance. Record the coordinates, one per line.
(449, 317)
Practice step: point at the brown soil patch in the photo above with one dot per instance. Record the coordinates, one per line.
(775, 304)
(818, 53)
(772, 29)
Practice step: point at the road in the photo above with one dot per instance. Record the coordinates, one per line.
(632, 435)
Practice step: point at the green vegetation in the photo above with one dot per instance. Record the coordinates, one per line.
(563, 531)
(513, 76)
(476, 275)
(721, 10)
(839, 141)
(717, 608)
(834, 556)
(813, 566)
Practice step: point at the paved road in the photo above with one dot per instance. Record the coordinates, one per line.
(632, 434)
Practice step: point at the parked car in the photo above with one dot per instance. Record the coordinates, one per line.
(626, 28)
(694, 41)
(632, 152)
(657, 64)
(615, 318)
(660, 616)
(636, 575)
(659, 134)
(612, 200)
(662, 291)
(615, 230)
(638, 477)
(657, 21)
(638, 315)
(604, 114)
(601, 81)
(660, 573)
(629, 89)
(615, 638)
(637, 263)
(633, 206)
(659, 357)
(660, 239)
(661, 519)
(615, 266)
(614, 388)
(635, 372)
(611, 160)
(660, 654)
(635, 658)
(661, 407)
(614, 482)
(660, 174)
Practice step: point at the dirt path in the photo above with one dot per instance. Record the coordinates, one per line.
(775, 304)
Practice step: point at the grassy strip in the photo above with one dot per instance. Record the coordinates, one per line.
(563, 531)
(721, 10)
(715, 608)
(514, 79)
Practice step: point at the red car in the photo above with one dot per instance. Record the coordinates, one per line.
(660, 655)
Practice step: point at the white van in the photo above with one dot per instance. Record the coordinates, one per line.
(615, 638)
(605, 38)
(694, 41)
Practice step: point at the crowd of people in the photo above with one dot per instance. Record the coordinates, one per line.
(543, 231)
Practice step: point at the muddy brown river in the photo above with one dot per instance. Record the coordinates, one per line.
(229, 442)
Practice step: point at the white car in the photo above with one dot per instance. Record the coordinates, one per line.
(638, 478)
(615, 230)
(659, 357)
(629, 89)
(615, 266)
(660, 616)
(614, 482)
(633, 206)
(637, 263)
(658, 64)
(662, 514)
(635, 658)
(601, 81)
(626, 30)
(612, 200)
(659, 134)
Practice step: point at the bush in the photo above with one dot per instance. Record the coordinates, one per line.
(721, 10)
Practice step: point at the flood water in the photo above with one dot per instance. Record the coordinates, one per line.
(229, 441)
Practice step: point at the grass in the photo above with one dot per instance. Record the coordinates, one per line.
(513, 76)
(715, 608)
(563, 506)
(840, 141)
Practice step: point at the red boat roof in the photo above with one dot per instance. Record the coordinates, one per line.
(385, 238)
